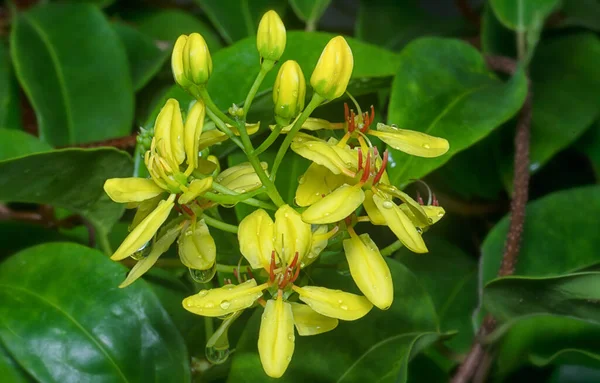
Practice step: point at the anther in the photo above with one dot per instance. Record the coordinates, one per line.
(382, 168)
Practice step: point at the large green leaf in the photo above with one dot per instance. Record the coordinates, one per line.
(64, 319)
(496, 39)
(589, 144)
(573, 295)
(559, 236)
(450, 277)
(374, 348)
(393, 24)
(236, 19)
(443, 88)
(16, 143)
(10, 371)
(70, 179)
(73, 69)
(145, 58)
(10, 111)
(566, 94)
(169, 24)
(310, 11)
(521, 15)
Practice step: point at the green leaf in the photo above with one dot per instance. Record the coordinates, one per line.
(450, 277)
(145, 58)
(559, 236)
(521, 15)
(73, 69)
(573, 295)
(70, 179)
(169, 24)
(444, 89)
(97, 331)
(575, 374)
(374, 348)
(496, 39)
(10, 371)
(236, 19)
(393, 24)
(589, 144)
(581, 13)
(16, 143)
(10, 111)
(565, 94)
(309, 11)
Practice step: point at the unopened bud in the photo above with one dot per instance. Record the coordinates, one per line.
(332, 73)
(270, 39)
(289, 92)
(191, 62)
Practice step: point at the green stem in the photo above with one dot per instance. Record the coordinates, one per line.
(269, 141)
(222, 127)
(210, 221)
(203, 93)
(264, 69)
(104, 243)
(315, 101)
(391, 249)
(228, 268)
(137, 159)
(234, 199)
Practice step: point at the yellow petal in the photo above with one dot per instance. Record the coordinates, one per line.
(224, 300)
(177, 61)
(194, 123)
(197, 62)
(144, 208)
(318, 243)
(240, 178)
(334, 303)
(145, 230)
(255, 235)
(333, 70)
(434, 214)
(289, 92)
(276, 337)
(197, 249)
(168, 133)
(337, 159)
(270, 38)
(124, 190)
(369, 270)
(311, 124)
(158, 248)
(417, 211)
(210, 137)
(316, 183)
(342, 202)
(196, 188)
(309, 322)
(400, 224)
(251, 128)
(292, 234)
(410, 141)
(372, 211)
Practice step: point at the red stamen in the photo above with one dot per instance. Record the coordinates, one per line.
(346, 111)
(236, 275)
(351, 124)
(272, 268)
(435, 201)
(419, 199)
(367, 171)
(187, 210)
(249, 271)
(382, 168)
(360, 159)
(293, 279)
(294, 261)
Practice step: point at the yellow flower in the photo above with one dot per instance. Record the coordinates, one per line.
(197, 249)
(334, 68)
(191, 62)
(336, 206)
(289, 92)
(276, 337)
(410, 141)
(240, 178)
(270, 38)
(334, 303)
(224, 300)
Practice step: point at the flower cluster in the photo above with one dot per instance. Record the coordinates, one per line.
(180, 198)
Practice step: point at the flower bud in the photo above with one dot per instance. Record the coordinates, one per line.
(292, 234)
(197, 249)
(191, 62)
(255, 235)
(310, 322)
(240, 178)
(224, 300)
(334, 303)
(410, 141)
(369, 270)
(145, 230)
(168, 133)
(276, 337)
(270, 39)
(289, 92)
(192, 130)
(336, 206)
(123, 190)
(400, 224)
(334, 68)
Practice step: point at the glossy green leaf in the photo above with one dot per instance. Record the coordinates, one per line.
(10, 111)
(581, 13)
(73, 69)
(144, 57)
(444, 89)
(450, 277)
(10, 371)
(565, 94)
(90, 331)
(589, 144)
(169, 24)
(309, 11)
(520, 15)
(575, 374)
(496, 39)
(573, 295)
(236, 19)
(374, 348)
(393, 24)
(16, 143)
(70, 179)
(559, 236)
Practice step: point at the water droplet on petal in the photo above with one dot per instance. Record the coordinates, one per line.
(426, 146)
(344, 307)
(217, 356)
(291, 337)
(225, 304)
(301, 180)
(203, 276)
(202, 293)
(142, 252)
(388, 204)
